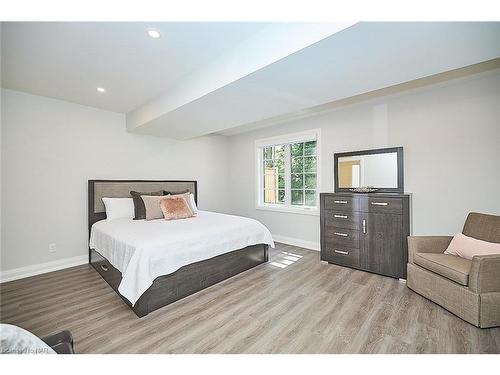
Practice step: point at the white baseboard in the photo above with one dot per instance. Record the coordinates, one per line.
(296, 242)
(37, 269)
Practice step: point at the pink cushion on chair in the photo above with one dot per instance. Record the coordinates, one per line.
(467, 247)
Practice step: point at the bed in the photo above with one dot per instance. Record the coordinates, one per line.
(151, 264)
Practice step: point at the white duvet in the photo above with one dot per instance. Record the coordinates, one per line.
(143, 250)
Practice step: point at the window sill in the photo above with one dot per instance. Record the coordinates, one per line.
(290, 210)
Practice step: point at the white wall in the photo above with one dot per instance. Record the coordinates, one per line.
(450, 133)
(50, 148)
(451, 138)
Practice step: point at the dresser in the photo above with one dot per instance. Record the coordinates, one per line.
(366, 231)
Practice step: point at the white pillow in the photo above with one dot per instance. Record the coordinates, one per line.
(192, 204)
(117, 208)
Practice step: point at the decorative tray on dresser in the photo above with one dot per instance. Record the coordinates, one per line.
(366, 231)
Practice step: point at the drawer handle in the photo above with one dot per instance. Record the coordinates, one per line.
(341, 234)
(104, 267)
(379, 203)
(341, 252)
(340, 202)
(340, 216)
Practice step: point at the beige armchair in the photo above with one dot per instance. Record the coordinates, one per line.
(468, 288)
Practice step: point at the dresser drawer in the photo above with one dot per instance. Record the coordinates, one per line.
(340, 255)
(342, 237)
(341, 203)
(384, 205)
(341, 219)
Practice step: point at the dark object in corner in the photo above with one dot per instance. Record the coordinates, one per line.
(61, 342)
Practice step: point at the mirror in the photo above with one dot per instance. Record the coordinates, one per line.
(381, 169)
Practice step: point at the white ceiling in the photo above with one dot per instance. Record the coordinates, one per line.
(69, 60)
(203, 78)
(357, 60)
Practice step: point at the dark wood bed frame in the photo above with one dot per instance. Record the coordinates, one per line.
(186, 280)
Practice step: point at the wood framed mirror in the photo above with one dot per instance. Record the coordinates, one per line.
(381, 169)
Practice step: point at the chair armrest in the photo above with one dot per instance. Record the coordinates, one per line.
(427, 244)
(484, 274)
(61, 342)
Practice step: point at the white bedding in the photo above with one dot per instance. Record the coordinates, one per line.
(143, 250)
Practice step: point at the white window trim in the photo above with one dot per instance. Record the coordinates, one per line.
(287, 138)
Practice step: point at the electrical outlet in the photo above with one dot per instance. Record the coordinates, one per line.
(52, 248)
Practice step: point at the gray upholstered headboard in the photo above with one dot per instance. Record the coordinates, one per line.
(98, 189)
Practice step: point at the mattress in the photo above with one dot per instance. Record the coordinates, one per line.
(144, 250)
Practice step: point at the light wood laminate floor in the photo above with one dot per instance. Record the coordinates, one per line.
(292, 304)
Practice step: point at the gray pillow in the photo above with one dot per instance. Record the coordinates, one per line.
(153, 208)
(15, 340)
(139, 208)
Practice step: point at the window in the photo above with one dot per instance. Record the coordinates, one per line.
(287, 169)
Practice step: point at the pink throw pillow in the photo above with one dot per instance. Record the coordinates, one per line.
(467, 247)
(175, 207)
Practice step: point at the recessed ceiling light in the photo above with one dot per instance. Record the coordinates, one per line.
(155, 34)
(101, 89)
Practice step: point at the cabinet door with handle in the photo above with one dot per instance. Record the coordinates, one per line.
(381, 243)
